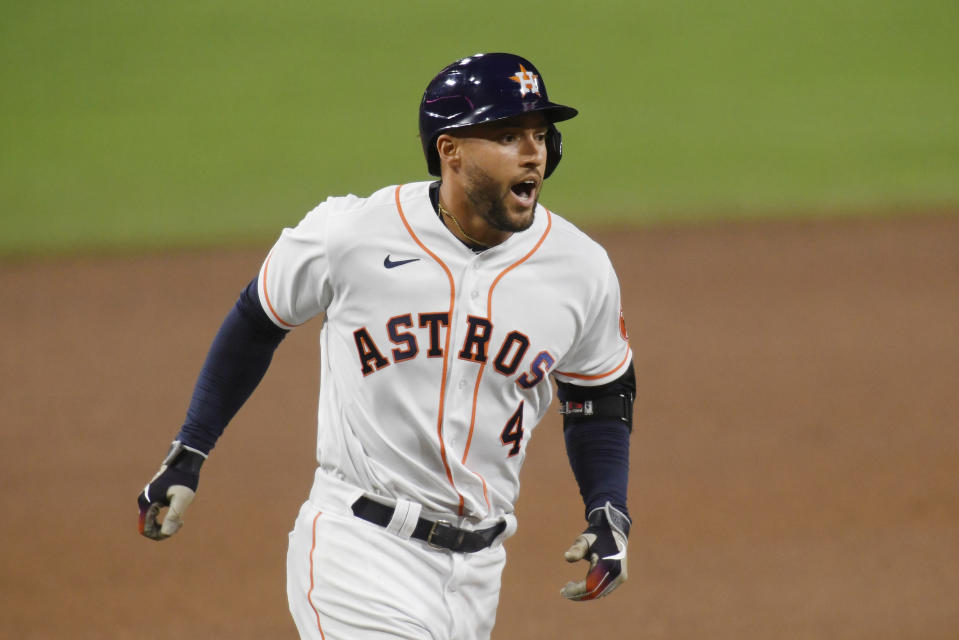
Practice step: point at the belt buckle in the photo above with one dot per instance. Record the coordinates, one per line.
(429, 538)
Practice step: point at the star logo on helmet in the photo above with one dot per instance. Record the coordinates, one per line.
(528, 82)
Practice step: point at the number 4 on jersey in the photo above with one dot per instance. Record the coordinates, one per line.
(513, 431)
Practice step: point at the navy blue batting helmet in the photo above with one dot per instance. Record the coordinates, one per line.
(483, 88)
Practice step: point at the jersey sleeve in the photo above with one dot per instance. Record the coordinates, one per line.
(294, 281)
(601, 353)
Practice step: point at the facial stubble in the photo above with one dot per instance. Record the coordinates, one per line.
(485, 195)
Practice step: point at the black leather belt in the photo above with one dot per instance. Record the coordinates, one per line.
(439, 534)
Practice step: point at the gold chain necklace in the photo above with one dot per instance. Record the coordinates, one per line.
(458, 226)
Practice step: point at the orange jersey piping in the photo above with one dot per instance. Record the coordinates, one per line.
(442, 405)
(580, 376)
(489, 316)
(266, 296)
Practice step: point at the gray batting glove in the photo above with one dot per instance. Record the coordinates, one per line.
(603, 544)
(173, 486)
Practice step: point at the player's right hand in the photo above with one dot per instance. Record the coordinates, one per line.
(603, 545)
(173, 486)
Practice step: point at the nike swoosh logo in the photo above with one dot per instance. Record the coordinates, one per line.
(616, 556)
(390, 264)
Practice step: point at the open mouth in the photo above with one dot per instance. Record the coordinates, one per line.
(524, 190)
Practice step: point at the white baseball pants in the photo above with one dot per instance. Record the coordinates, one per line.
(349, 579)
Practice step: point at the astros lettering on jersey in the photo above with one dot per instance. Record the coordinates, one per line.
(434, 370)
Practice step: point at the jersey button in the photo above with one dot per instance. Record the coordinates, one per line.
(462, 384)
(474, 294)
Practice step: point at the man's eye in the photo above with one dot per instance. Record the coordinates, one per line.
(509, 137)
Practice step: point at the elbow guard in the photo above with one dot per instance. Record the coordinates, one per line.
(611, 401)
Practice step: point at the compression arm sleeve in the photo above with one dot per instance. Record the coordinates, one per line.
(238, 358)
(598, 446)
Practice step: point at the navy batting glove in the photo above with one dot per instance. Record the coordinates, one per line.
(173, 486)
(603, 544)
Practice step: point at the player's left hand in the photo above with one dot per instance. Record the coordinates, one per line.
(603, 544)
(173, 486)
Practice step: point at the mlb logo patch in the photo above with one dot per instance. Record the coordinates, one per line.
(528, 82)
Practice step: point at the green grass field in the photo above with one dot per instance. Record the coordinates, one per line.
(141, 125)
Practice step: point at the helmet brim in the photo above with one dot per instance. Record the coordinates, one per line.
(553, 112)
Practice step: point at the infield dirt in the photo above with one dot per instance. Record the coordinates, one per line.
(795, 462)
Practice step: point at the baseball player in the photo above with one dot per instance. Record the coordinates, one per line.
(449, 305)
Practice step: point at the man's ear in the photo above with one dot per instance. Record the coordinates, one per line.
(448, 149)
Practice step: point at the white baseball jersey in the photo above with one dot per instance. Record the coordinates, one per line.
(436, 359)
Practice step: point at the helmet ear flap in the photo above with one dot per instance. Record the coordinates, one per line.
(554, 149)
